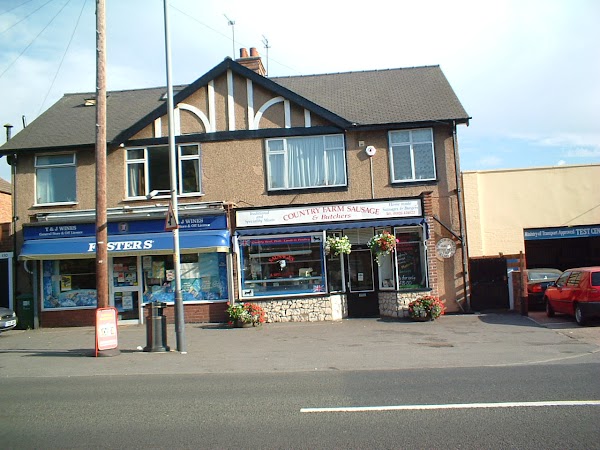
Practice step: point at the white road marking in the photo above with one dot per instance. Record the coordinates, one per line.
(453, 406)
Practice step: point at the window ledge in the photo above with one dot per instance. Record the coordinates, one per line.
(308, 190)
(47, 205)
(413, 183)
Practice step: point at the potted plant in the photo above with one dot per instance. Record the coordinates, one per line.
(382, 244)
(337, 245)
(426, 308)
(249, 314)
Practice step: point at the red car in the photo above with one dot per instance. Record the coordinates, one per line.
(576, 293)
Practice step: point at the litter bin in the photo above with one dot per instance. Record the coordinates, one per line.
(24, 310)
(156, 329)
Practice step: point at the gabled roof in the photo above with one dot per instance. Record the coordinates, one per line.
(375, 97)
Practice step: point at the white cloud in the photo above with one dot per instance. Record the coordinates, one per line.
(583, 153)
(562, 162)
(489, 161)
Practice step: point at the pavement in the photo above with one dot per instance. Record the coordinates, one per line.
(468, 340)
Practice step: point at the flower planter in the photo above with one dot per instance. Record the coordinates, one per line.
(240, 324)
(422, 319)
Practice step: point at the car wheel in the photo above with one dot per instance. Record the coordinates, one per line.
(579, 317)
(549, 310)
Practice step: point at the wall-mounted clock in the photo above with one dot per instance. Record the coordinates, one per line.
(445, 247)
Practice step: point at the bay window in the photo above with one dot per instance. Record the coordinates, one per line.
(412, 155)
(306, 162)
(148, 169)
(55, 178)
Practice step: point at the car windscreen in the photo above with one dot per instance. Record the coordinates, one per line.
(541, 276)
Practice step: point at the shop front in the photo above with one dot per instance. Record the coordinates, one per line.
(140, 267)
(283, 261)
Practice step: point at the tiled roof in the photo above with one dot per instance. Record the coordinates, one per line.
(69, 123)
(5, 186)
(382, 96)
(374, 97)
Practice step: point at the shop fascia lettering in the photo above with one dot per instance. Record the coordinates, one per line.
(124, 245)
(329, 213)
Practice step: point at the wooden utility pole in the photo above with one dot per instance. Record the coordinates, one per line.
(101, 221)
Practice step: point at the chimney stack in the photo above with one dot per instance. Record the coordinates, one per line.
(252, 62)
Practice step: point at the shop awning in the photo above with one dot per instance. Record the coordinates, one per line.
(415, 221)
(130, 244)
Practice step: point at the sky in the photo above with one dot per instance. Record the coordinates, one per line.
(526, 71)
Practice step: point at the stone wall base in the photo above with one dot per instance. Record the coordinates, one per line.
(305, 309)
(395, 304)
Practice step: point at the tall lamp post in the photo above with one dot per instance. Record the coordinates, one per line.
(179, 313)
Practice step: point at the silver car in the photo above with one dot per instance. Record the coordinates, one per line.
(8, 319)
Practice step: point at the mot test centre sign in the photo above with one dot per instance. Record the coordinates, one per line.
(538, 234)
(329, 213)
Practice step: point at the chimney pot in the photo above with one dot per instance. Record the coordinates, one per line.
(243, 53)
(253, 51)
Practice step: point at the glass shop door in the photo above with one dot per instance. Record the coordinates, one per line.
(125, 288)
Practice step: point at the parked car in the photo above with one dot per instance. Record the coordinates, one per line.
(576, 293)
(8, 319)
(537, 282)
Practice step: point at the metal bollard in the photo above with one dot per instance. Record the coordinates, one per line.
(156, 329)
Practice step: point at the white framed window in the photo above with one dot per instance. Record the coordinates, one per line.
(55, 178)
(148, 170)
(306, 162)
(412, 156)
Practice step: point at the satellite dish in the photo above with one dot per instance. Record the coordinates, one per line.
(370, 150)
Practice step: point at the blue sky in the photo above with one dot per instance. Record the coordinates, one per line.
(527, 71)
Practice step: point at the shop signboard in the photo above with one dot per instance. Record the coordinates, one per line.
(106, 329)
(187, 223)
(536, 234)
(335, 212)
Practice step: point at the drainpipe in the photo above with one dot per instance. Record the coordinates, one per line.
(461, 217)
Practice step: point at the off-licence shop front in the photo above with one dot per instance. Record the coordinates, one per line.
(283, 265)
(62, 259)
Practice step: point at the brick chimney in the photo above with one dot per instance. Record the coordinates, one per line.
(252, 62)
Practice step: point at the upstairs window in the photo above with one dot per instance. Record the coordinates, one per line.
(412, 156)
(148, 169)
(55, 178)
(306, 162)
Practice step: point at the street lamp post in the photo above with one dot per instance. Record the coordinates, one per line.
(179, 313)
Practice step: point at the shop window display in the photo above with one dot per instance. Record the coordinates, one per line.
(410, 259)
(69, 283)
(203, 277)
(283, 265)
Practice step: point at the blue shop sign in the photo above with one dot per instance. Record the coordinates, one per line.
(186, 223)
(537, 234)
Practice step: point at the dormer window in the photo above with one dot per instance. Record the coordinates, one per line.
(89, 102)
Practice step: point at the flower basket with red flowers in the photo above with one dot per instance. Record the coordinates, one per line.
(245, 313)
(426, 308)
(382, 244)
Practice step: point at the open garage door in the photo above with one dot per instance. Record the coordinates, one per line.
(562, 247)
